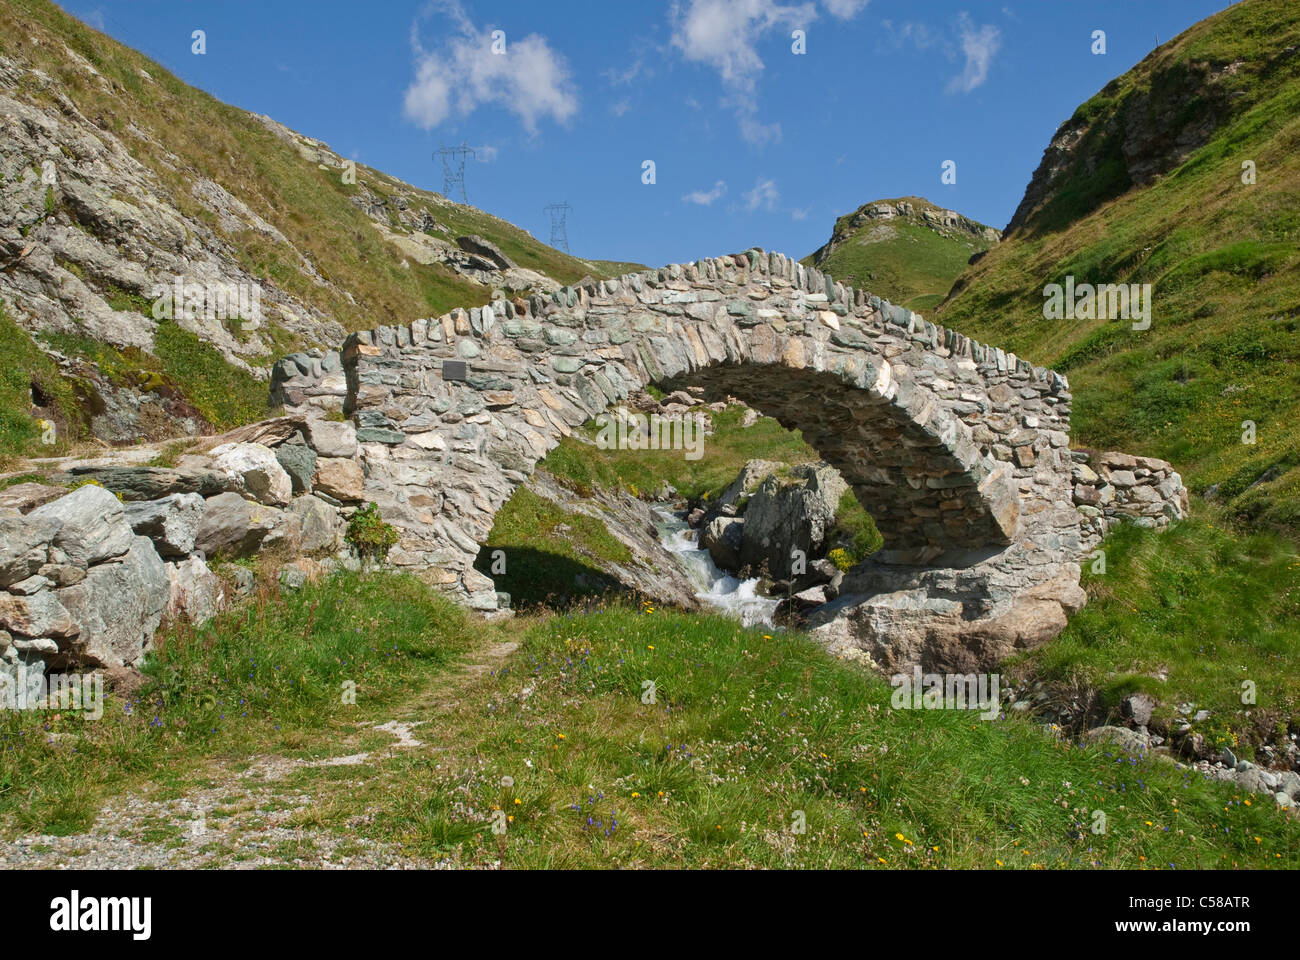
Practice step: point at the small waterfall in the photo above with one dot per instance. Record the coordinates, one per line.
(714, 587)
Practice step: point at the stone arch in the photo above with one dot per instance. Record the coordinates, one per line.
(959, 451)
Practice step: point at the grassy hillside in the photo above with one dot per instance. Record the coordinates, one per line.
(229, 145)
(364, 275)
(911, 259)
(1144, 184)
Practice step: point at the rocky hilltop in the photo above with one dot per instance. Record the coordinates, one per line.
(907, 248)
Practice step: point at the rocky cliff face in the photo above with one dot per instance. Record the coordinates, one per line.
(1138, 127)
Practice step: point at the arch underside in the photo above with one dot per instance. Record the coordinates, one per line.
(926, 500)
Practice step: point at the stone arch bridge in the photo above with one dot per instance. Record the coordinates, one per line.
(958, 450)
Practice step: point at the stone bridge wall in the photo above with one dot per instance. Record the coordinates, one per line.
(959, 450)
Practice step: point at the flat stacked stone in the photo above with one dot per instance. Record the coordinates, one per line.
(960, 451)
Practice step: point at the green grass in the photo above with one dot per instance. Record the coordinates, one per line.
(582, 466)
(544, 565)
(855, 528)
(266, 675)
(747, 731)
(26, 367)
(1223, 259)
(1200, 606)
(223, 395)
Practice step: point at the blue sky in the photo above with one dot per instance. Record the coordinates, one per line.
(753, 144)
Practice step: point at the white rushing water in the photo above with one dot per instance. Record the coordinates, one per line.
(715, 587)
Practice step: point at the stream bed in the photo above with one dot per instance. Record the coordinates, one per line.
(713, 586)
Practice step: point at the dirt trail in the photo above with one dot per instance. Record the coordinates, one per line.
(247, 815)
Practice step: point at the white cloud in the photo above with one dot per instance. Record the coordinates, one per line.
(530, 79)
(764, 196)
(621, 78)
(910, 33)
(486, 153)
(620, 107)
(724, 34)
(979, 45)
(706, 198)
(845, 9)
(797, 214)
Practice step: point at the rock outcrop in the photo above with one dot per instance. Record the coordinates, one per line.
(788, 513)
(88, 576)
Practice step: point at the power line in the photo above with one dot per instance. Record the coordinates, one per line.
(559, 230)
(453, 169)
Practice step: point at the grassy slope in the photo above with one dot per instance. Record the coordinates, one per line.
(1208, 604)
(266, 674)
(308, 205)
(747, 729)
(910, 264)
(1223, 259)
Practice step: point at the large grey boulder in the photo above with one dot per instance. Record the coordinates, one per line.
(194, 591)
(233, 527)
(892, 617)
(170, 523)
(92, 525)
(320, 524)
(751, 475)
(487, 249)
(722, 537)
(119, 606)
(788, 513)
(24, 545)
(299, 462)
(257, 465)
(331, 438)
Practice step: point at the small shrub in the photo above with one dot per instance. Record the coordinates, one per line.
(369, 534)
(840, 557)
